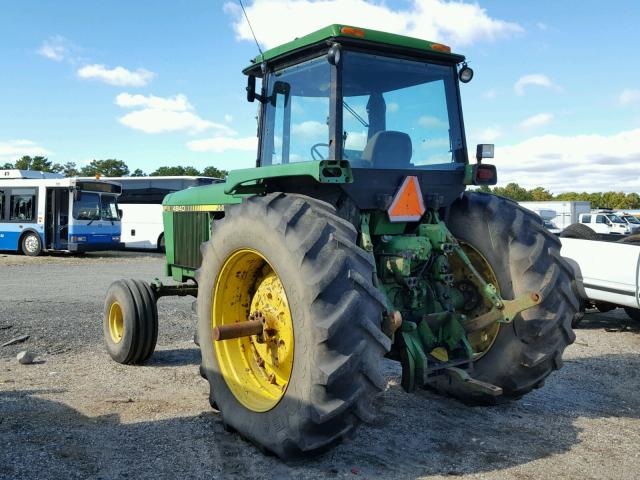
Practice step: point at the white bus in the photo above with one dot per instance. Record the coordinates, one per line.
(141, 206)
(47, 212)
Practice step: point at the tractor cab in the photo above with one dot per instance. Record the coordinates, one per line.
(374, 99)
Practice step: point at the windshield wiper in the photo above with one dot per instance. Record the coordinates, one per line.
(355, 114)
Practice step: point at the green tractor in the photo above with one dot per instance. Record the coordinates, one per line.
(354, 239)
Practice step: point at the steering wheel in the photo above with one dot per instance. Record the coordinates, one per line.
(315, 153)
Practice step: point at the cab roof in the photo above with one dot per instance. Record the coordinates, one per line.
(350, 34)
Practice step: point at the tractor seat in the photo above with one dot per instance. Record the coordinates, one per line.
(388, 149)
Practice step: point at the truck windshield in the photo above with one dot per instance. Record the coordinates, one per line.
(616, 219)
(86, 206)
(109, 207)
(399, 113)
(631, 219)
(93, 206)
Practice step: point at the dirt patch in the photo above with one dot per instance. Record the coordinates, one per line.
(77, 414)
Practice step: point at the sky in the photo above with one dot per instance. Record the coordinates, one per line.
(556, 85)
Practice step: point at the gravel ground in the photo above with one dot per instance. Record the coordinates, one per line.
(77, 414)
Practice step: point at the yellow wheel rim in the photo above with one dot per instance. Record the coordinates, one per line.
(256, 373)
(116, 323)
(482, 340)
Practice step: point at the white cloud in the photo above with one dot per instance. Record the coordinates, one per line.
(537, 120)
(310, 129)
(490, 94)
(228, 118)
(222, 144)
(179, 103)
(165, 114)
(451, 22)
(11, 150)
(356, 140)
(488, 135)
(54, 48)
(118, 76)
(392, 107)
(542, 26)
(629, 96)
(432, 122)
(537, 79)
(580, 163)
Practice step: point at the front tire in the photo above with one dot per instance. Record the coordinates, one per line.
(525, 257)
(335, 311)
(31, 244)
(130, 321)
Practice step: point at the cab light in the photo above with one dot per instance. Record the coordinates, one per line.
(438, 47)
(354, 32)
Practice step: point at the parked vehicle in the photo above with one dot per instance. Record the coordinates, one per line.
(48, 212)
(608, 274)
(352, 244)
(566, 212)
(141, 206)
(606, 221)
(631, 220)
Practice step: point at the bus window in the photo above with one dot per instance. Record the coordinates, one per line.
(87, 206)
(109, 207)
(1, 205)
(23, 203)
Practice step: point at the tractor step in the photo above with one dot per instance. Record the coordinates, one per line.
(459, 381)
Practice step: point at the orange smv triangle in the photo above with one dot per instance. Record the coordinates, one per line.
(407, 205)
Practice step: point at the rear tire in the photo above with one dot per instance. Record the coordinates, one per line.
(336, 313)
(634, 313)
(130, 323)
(579, 231)
(31, 244)
(525, 257)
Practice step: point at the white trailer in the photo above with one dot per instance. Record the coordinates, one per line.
(141, 206)
(566, 212)
(607, 273)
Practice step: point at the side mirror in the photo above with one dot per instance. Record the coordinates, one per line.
(119, 213)
(251, 88)
(484, 150)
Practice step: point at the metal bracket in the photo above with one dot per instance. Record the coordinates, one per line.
(180, 290)
(458, 379)
(506, 314)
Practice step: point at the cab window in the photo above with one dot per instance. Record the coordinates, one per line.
(600, 219)
(586, 219)
(296, 126)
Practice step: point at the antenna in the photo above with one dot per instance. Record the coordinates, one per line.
(250, 27)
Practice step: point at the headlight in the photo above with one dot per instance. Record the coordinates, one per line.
(77, 238)
(115, 239)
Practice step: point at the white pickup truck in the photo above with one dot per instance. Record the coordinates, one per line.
(607, 274)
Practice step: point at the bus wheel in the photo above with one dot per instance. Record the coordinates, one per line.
(31, 244)
(130, 324)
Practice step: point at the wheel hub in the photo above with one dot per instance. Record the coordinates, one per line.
(256, 368)
(116, 323)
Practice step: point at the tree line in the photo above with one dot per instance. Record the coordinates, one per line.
(612, 200)
(110, 167)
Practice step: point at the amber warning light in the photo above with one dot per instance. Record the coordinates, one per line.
(354, 32)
